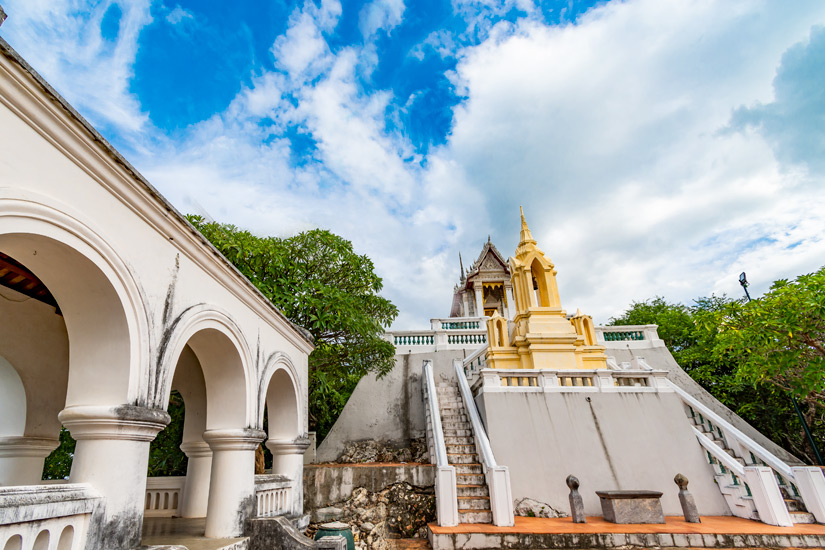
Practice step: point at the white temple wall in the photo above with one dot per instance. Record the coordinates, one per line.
(609, 441)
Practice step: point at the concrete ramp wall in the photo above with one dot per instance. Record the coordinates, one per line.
(609, 441)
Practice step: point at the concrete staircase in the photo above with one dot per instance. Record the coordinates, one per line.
(471, 486)
(735, 490)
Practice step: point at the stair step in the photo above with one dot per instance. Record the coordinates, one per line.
(458, 440)
(462, 458)
(473, 503)
(475, 516)
(469, 479)
(472, 490)
(461, 417)
(450, 404)
(795, 505)
(457, 433)
(797, 517)
(468, 469)
(461, 449)
(455, 425)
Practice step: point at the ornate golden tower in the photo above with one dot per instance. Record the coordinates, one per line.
(542, 337)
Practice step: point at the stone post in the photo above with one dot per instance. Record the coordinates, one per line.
(479, 300)
(686, 500)
(466, 303)
(112, 455)
(21, 459)
(232, 483)
(576, 502)
(511, 302)
(288, 460)
(195, 498)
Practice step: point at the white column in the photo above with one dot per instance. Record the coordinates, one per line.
(811, 483)
(232, 483)
(466, 303)
(21, 459)
(288, 460)
(479, 301)
(511, 302)
(112, 455)
(195, 497)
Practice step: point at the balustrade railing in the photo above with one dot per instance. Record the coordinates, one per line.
(446, 501)
(601, 380)
(628, 335)
(47, 516)
(749, 476)
(273, 495)
(497, 476)
(163, 495)
(455, 333)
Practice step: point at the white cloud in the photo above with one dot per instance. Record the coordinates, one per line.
(614, 133)
(609, 131)
(92, 72)
(178, 14)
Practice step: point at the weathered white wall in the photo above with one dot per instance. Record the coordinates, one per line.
(389, 409)
(660, 358)
(608, 440)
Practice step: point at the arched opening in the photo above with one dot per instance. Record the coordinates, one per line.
(103, 351)
(12, 400)
(66, 538)
(282, 404)
(210, 376)
(541, 294)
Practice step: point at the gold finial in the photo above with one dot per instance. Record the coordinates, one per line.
(526, 236)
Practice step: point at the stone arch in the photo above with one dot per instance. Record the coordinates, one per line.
(225, 361)
(100, 302)
(280, 394)
(542, 294)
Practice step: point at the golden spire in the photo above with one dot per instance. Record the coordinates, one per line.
(527, 242)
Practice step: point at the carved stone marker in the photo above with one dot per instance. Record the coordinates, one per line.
(336, 542)
(576, 503)
(686, 500)
(631, 506)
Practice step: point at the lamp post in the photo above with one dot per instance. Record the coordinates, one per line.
(743, 280)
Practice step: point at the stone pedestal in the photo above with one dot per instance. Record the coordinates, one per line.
(195, 498)
(112, 455)
(232, 482)
(631, 506)
(21, 459)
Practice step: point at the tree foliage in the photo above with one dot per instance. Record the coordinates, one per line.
(318, 281)
(751, 355)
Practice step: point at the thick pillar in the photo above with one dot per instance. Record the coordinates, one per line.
(21, 459)
(466, 303)
(479, 300)
(195, 497)
(511, 302)
(232, 483)
(112, 455)
(288, 460)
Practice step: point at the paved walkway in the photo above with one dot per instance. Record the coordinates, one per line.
(724, 525)
(186, 532)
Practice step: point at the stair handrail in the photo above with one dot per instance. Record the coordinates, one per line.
(719, 454)
(473, 356)
(446, 502)
(439, 446)
(498, 477)
(758, 450)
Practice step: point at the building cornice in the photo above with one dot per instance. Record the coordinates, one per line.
(42, 107)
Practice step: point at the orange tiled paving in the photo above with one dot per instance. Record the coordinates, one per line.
(722, 525)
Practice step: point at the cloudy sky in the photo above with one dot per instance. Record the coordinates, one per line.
(659, 147)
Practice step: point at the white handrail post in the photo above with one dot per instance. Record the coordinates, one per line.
(446, 499)
(811, 484)
(498, 477)
(767, 497)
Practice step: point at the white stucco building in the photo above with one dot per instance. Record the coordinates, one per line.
(109, 300)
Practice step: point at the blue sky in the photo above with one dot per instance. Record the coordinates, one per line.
(660, 147)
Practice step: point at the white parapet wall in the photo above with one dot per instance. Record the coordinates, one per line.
(611, 429)
(47, 516)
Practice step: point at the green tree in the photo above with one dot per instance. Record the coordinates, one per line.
(318, 281)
